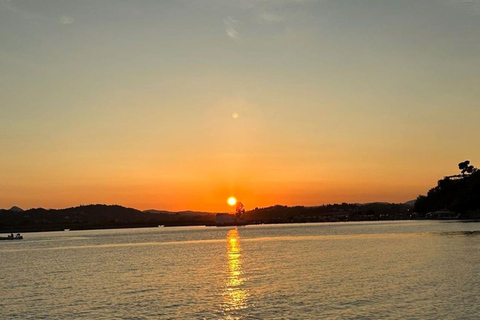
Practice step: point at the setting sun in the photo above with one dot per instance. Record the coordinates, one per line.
(232, 201)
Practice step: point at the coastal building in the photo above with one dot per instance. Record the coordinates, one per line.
(225, 219)
(442, 214)
(237, 219)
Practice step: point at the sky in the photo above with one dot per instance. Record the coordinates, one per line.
(178, 105)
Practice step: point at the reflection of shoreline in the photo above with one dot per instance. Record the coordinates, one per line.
(234, 296)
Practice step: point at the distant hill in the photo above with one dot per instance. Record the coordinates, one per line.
(157, 211)
(330, 212)
(16, 209)
(410, 203)
(92, 217)
(100, 216)
(459, 193)
(187, 213)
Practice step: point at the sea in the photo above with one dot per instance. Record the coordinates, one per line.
(354, 270)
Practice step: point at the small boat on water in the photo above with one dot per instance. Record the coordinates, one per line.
(443, 215)
(18, 236)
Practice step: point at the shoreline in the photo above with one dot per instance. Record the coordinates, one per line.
(174, 225)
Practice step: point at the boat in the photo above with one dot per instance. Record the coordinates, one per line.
(443, 215)
(18, 236)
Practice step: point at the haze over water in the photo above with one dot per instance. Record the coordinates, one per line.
(380, 270)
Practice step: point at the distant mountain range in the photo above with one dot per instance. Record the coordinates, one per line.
(99, 216)
(94, 217)
(187, 213)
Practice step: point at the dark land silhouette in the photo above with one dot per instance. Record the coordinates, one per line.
(459, 194)
(97, 216)
(100, 216)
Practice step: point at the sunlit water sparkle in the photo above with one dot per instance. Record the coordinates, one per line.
(380, 270)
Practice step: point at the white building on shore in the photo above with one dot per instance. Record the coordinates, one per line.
(237, 219)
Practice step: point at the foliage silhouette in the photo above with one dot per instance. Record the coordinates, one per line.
(458, 193)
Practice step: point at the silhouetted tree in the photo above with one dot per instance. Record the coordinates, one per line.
(240, 210)
(459, 195)
(466, 167)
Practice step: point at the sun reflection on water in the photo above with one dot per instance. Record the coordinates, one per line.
(235, 296)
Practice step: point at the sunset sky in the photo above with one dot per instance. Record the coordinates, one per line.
(180, 104)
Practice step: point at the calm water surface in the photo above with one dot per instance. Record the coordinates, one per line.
(381, 270)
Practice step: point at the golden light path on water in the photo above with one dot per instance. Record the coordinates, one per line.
(235, 297)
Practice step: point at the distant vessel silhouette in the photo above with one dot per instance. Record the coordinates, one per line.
(12, 237)
(443, 215)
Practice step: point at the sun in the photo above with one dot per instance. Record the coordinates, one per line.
(232, 201)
